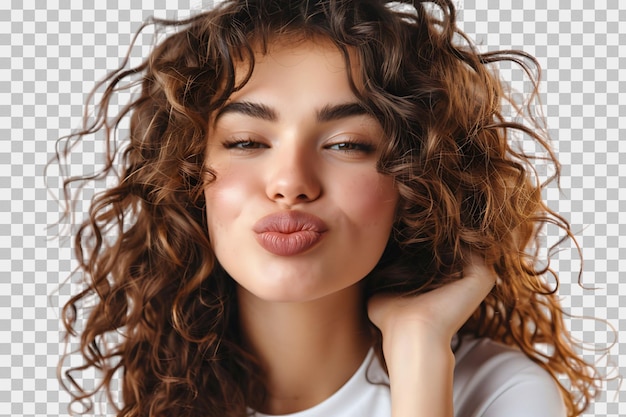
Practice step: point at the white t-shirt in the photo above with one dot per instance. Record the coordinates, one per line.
(490, 380)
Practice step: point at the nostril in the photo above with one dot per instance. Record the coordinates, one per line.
(302, 197)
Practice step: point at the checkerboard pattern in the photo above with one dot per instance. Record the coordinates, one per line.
(52, 52)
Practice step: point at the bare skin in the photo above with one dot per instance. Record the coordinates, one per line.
(308, 349)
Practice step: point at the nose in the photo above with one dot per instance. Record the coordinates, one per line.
(293, 177)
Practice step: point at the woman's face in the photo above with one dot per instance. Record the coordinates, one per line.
(298, 210)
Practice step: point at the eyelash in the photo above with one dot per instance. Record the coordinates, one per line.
(243, 144)
(355, 146)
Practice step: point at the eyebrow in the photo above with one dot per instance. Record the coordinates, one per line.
(256, 110)
(328, 113)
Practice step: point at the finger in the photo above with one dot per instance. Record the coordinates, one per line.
(463, 296)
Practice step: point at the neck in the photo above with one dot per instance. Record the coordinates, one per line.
(308, 350)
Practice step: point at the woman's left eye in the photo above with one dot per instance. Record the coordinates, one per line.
(352, 147)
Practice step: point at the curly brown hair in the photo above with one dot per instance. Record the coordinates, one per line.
(145, 250)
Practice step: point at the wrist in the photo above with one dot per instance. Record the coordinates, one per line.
(417, 349)
(404, 340)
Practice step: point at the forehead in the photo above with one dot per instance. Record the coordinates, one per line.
(302, 60)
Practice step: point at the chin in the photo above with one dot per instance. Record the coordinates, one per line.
(283, 293)
(297, 289)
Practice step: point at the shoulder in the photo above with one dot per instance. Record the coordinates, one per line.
(491, 379)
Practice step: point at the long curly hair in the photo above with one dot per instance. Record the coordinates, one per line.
(449, 144)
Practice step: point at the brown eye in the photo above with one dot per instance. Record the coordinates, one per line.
(352, 146)
(244, 144)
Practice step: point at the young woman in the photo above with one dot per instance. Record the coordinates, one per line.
(320, 213)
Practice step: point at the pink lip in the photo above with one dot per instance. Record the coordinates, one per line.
(289, 233)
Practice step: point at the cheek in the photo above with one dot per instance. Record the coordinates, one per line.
(226, 197)
(374, 199)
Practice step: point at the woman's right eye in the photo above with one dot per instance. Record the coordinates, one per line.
(244, 144)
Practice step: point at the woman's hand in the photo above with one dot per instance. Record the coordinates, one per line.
(417, 332)
(440, 312)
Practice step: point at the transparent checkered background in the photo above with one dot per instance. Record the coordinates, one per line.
(52, 52)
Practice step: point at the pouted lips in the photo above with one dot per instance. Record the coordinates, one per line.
(289, 233)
